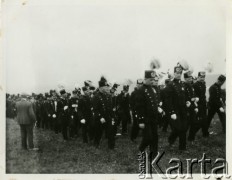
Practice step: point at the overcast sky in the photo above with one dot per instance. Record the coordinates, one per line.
(49, 42)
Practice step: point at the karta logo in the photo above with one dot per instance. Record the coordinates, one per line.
(147, 166)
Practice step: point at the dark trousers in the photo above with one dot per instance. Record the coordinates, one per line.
(108, 128)
(195, 125)
(149, 138)
(135, 128)
(126, 119)
(27, 135)
(165, 123)
(222, 116)
(179, 128)
(182, 138)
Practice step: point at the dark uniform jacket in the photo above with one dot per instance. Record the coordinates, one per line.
(176, 97)
(200, 90)
(63, 115)
(102, 106)
(147, 105)
(215, 96)
(85, 109)
(164, 98)
(190, 95)
(48, 108)
(133, 100)
(124, 102)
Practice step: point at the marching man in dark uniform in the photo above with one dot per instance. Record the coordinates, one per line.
(103, 112)
(164, 98)
(48, 111)
(55, 122)
(135, 125)
(200, 90)
(73, 115)
(86, 113)
(192, 106)
(124, 109)
(114, 95)
(63, 113)
(177, 109)
(216, 104)
(147, 109)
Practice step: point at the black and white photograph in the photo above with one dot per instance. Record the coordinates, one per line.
(138, 88)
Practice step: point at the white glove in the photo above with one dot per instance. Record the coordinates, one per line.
(160, 110)
(102, 120)
(72, 117)
(142, 125)
(83, 121)
(222, 109)
(74, 105)
(197, 99)
(188, 104)
(196, 110)
(161, 103)
(113, 122)
(49, 115)
(54, 116)
(65, 107)
(173, 116)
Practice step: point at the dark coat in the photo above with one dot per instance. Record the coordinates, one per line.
(215, 96)
(147, 105)
(102, 106)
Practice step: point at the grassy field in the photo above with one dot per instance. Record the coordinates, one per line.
(73, 156)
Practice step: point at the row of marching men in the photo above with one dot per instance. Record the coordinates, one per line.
(89, 114)
(179, 104)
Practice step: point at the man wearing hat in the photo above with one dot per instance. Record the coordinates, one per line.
(48, 111)
(115, 106)
(74, 123)
(103, 112)
(124, 108)
(164, 98)
(26, 119)
(135, 125)
(63, 113)
(39, 110)
(147, 110)
(176, 109)
(192, 106)
(200, 92)
(86, 113)
(216, 104)
(55, 123)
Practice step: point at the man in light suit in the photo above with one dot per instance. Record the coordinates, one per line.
(26, 119)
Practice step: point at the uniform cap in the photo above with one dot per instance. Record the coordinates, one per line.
(201, 74)
(222, 78)
(150, 74)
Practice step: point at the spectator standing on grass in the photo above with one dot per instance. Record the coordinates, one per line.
(26, 119)
(216, 104)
